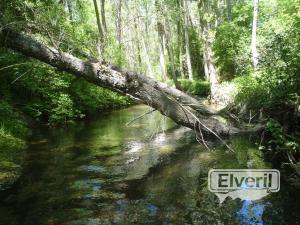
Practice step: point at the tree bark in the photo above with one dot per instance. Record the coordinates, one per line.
(168, 36)
(140, 87)
(187, 41)
(103, 18)
(161, 39)
(146, 52)
(179, 39)
(70, 10)
(254, 30)
(119, 21)
(162, 60)
(210, 70)
(229, 9)
(98, 20)
(100, 30)
(171, 57)
(137, 42)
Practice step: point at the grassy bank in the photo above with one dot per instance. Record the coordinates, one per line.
(12, 133)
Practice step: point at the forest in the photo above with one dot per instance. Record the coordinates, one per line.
(222, 75)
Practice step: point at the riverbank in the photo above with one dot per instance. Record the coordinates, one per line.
(16, 126)
(11, 157)
(13, 131)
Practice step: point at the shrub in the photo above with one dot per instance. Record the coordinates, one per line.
(250, 92)
(195, 87)
(11, 120)
(10, 149)
(12, 131)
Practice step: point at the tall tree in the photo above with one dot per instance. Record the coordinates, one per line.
(119, 21)
(103, 18)
(100, 30)
(180, 48)
(143, 14)
(162, 40)
(70, 10)
(211, 74)
(137, 41)
(254, 31)
(170, 49)
(187, 39)
(229, 9)
(148, 60)
(179, 38)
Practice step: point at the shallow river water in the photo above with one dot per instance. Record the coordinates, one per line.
(106, 170)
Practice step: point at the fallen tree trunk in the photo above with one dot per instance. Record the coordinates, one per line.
(173, 103)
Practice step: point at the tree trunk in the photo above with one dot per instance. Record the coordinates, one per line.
(70, 11)
(170, 49)
(148, 60)
(229, 9)
(187, 41)
(210, 70)
(254, 30)
(179, 39)
(139, 87)
(137, 42)
(119, 21)
(162, 56)
(103, 18)
(161, 39)
(100, 41)
(213, 75)
(171, 57)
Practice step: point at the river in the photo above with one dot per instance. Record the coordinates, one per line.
(106, 170)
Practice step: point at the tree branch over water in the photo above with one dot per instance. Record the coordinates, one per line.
(160, 96)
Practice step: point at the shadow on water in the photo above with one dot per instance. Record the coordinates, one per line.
(150, 172)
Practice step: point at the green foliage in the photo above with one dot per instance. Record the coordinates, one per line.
(232, 43)
(12, 131)
(195, 87)
(11, 121)
(232, 51)
(48, 95)
(11, 149)
(196, 56)
(280, 57)
(283, 146)
(250, 92)
(284, 149)
(294, 179)
(91, 99)
(275, 85)
(63, 109)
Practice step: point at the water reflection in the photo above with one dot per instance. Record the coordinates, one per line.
(251, 212)
(149, 172)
